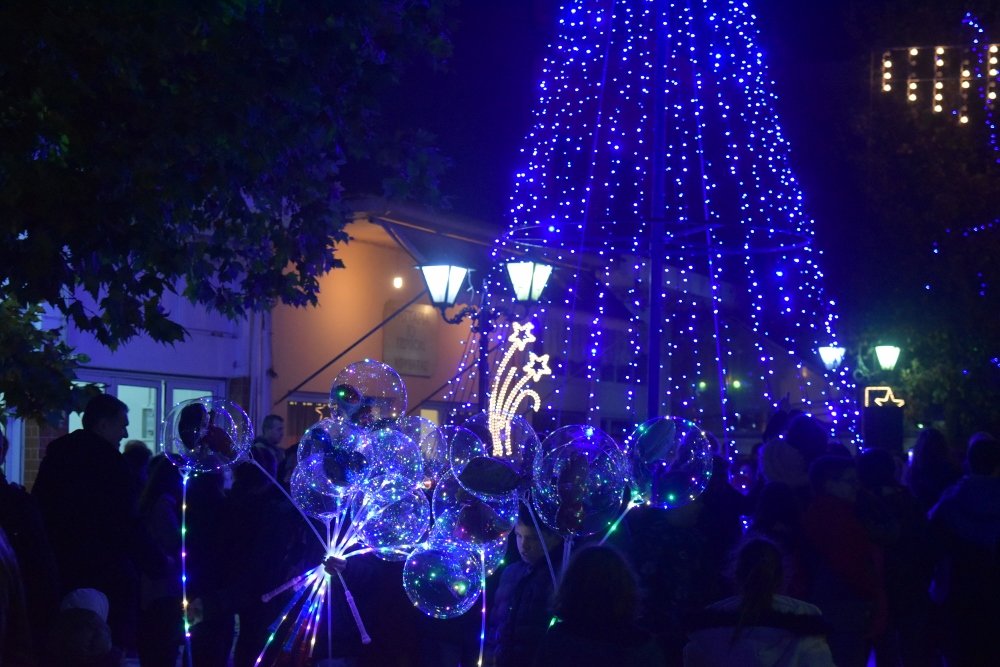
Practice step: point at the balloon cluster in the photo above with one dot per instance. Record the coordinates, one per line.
(444, 499)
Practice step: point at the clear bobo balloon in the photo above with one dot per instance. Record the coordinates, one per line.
(368, 393)
(671, 461)
(206, 434)
(393, 517)
(442, 580)
(580, 481)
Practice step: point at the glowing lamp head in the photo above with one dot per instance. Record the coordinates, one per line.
(443, 283)
(887, 356)
(528, 280)
(832, 356)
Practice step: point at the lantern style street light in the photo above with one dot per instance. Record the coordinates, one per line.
(886, 356)
(444, 283)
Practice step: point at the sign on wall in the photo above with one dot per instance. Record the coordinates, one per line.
(409, 343)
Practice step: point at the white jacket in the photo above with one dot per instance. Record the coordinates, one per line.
(759, 645)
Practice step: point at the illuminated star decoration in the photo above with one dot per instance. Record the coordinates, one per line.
(522, 336)
(510, 388)
(886, 397)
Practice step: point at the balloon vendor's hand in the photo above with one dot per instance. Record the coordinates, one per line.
(335, 565)
(196, 611)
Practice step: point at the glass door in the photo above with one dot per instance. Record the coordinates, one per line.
(149, 398)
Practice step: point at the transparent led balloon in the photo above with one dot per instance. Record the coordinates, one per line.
(580, 481)
(393, 517)
(206, 434)
(329, 436)
(493, 552)
(433, 445)
(391, 453)
(318, 489)
(462, 516)
(337, 456)
(368, 393)
(503, 464)
(442, 580)
(671, 461)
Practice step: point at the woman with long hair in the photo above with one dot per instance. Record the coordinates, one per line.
(759, 626)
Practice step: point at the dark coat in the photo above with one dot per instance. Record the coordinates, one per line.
(87, 501)
(565, 645)
(522, 611)
(21, 520)
(965, 526)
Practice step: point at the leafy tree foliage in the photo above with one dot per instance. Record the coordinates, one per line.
(899, 194)
(932, 234)
(200, 145)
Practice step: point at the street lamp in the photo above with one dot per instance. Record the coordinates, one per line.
(444, 282)
(883, 414)
(887, 356)
(832, 357)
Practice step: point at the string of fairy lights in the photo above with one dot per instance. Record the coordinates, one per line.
(738, 244)
(986, 71)
(944, 78)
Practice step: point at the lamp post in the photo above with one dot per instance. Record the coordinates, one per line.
(444, 282)
(882, 410)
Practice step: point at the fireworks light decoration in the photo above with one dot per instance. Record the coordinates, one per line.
(509, 390)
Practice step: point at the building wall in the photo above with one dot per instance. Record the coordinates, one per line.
(215, 358)
(352, 302)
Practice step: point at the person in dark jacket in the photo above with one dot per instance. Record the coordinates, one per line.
(521, 609)
(21, 520)
(844, 564)
(965, 525)
(87, 500)
(596, 609)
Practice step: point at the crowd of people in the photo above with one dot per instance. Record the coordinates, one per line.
(825, 558)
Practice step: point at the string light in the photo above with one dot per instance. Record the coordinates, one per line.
(741, 282)
(185, 607)
(952, 73)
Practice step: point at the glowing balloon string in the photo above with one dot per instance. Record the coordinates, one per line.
(185, 476)
(296, 583)
(482, 622)
(617, 522)
(299, 594)
(538, 530)
(313, 586)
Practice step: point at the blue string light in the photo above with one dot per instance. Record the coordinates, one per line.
(742, 283)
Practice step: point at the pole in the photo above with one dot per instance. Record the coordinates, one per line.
(484, 326)
(657, 226)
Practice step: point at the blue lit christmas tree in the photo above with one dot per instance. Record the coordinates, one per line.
(656, 151)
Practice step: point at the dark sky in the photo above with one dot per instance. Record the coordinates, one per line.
(817, 52)
(480, 108)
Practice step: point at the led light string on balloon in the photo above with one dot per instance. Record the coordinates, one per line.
(185, 473)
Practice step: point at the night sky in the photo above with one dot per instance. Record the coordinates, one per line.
(817, 53)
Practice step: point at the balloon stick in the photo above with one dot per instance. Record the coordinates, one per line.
(365, 639)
